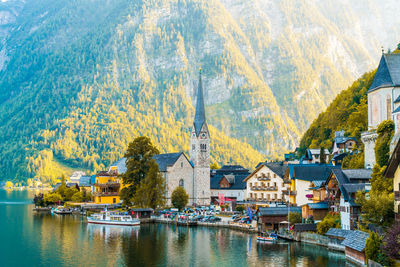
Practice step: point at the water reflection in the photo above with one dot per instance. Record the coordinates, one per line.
(57, 240)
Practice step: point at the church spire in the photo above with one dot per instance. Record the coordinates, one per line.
(200, 116)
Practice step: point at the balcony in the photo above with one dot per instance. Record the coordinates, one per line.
(287, 182)
(289, 192)
(397, 195)
(263, 179)
(271, 188)
(105, 194)
(108, 185)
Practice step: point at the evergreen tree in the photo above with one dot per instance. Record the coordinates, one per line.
(151, 191)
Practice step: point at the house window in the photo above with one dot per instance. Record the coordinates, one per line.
(251, 195)
(274, 175)
(275, 184)
(388, 107)
(255, 195)
(181, 183)
(262, 195)
(251, 184)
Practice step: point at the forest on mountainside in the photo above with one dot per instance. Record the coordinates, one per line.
(80, 79)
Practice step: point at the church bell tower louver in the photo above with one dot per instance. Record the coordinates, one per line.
(200, 152)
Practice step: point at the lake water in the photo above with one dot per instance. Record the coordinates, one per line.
(39, 239)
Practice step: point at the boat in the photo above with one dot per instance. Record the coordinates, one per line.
(60, 210)
(270, 238)
(113, 218)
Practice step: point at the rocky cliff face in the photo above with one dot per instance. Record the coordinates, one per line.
(269, 68)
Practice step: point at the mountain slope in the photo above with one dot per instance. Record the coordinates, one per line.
(80, 79)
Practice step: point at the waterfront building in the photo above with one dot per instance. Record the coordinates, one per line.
(266, 184)
(107, 187)
(393, 171)
(178, 170)
(317, 211)
(342, 186)
(303, 177)
(383, 103)
(228, 183)
(354, 244)
(274, 218)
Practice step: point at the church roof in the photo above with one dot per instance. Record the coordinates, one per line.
(200, 116)
(166, 160)
(163, 161)
(388, 73)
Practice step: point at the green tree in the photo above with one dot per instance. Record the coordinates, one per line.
(385, 133)
(77, 197)
(151, 191)
(331, 220)
(374, 251)
(322, 156)
(139, 156)
(377, 206)
(52, 198)
(69, 192)
(179, 198)
(294, 217)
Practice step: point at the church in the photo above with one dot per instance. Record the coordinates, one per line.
(383, 103)
(178, 170)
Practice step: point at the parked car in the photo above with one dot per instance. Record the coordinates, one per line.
(214, 219)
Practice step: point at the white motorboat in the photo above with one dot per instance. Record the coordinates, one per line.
(113, 218)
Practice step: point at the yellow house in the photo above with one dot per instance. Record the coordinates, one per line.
(107, 187)
(393, 171)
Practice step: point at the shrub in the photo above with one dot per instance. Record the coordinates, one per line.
(331, 220)
(294, 217)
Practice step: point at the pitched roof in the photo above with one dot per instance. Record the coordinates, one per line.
(337, 232)
(347, 184)
(200, 116)
(278, 211)
(163, 161)
(311, 172)
(343, 139)
(352, 188)
(388, 73)
(277, 167)
(357, 174)
(166, 160)
(318, 206)
(238, 180)
(305, 227)
(356, 240)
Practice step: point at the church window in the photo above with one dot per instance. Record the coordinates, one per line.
(388, 107)
(193, 147)
(181, 164)
(181, 183)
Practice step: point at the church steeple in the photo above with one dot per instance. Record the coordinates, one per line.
(200, 116)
